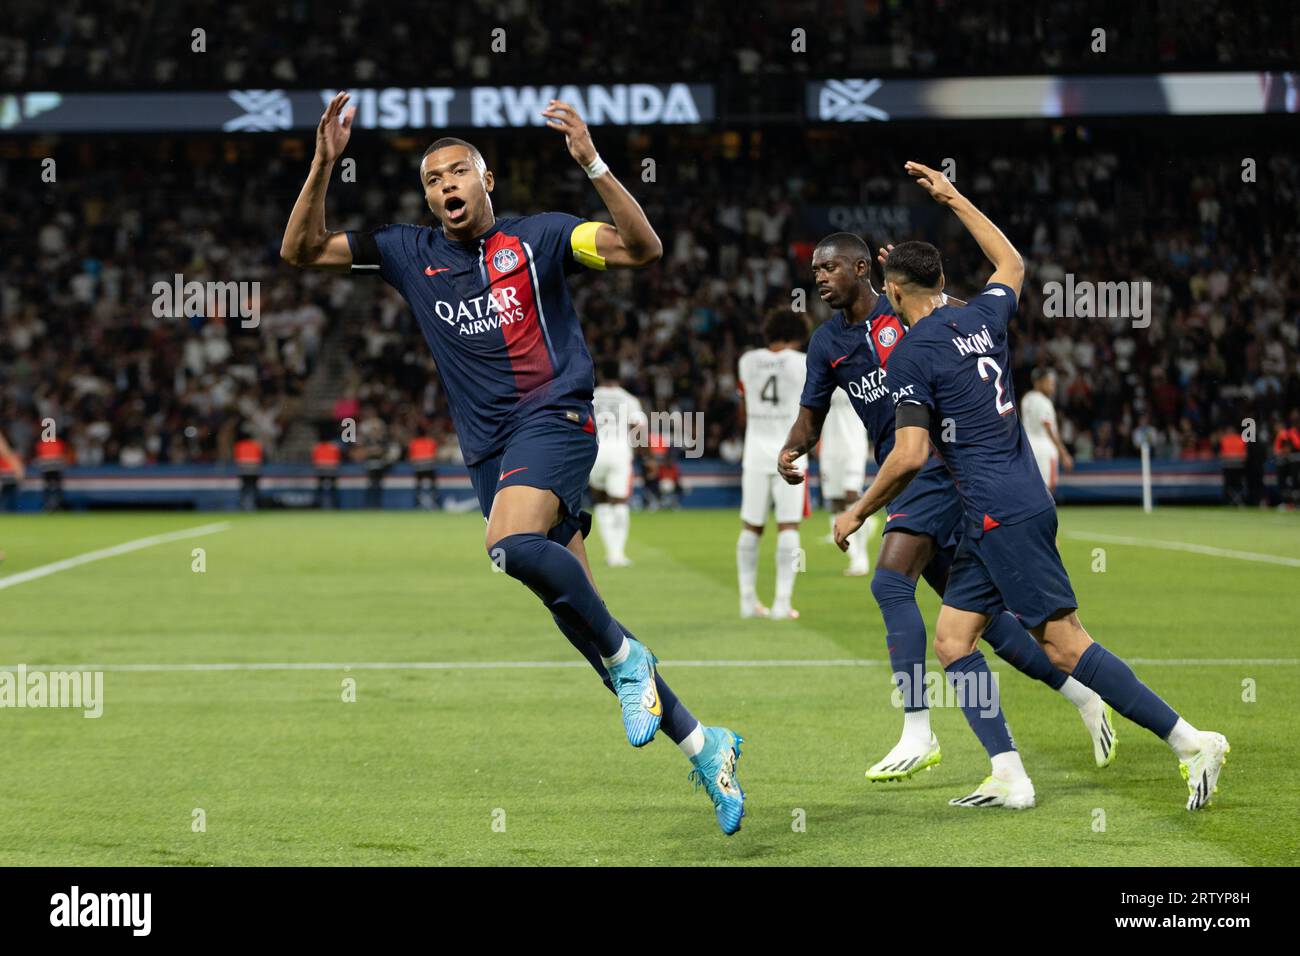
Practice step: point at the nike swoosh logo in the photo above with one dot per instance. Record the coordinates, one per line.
(654, 706)
(431, 271)
(900, 514)
(838, 360)
(507, 474)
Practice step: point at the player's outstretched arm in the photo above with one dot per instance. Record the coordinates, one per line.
(1008, 266)
(631, 243)
(908, 456)
(307, 243)
(805, 431)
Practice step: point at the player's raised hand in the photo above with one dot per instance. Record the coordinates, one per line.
(786, 469)
(883, 253)
(933, 182)
(577, 137)
(332, 135)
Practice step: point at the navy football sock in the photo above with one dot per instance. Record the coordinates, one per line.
(677, 721)
(904, 634)
(1118, 686)
(977, 693)
(557, 577)
(586, 649)
(532, 559)
(1017, 647)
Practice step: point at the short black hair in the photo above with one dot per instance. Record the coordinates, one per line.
(453, 141)
(782, 325)
(915, 263)
(846, 244)
(609, 370)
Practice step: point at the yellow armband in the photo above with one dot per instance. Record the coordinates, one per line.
(583, 241)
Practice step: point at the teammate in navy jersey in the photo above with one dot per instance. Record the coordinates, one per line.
(492, 302)
(950, 378)
(852, 351)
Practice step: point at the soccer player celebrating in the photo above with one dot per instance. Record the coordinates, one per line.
(842, 460)
(949, 380)
(492, 302)
(851, 351)
(770, 379)
(1039, 415)
(617, 412)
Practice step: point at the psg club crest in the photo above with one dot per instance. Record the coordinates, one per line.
(886, 336)
(505, 260)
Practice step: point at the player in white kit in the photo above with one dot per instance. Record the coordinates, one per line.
(1039, 418)
(771, 381)
(618, 412)
(843, 461)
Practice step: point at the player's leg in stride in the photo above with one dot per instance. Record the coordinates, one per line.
(907, 553)
(561, 577)
(955, 644)
(1201, 753)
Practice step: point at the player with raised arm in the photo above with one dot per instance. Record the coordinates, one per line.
(852, 350)
(1039, 417)
(771, 379)
(618, 416)
(491, 298)
(950, 381)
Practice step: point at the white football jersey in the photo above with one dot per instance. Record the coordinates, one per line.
(616, 410)
(1036, 410)
(843, 432)
(772, 383)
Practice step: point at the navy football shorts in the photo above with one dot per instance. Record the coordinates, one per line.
(554, 450)
(1012, 565)
(929, 505)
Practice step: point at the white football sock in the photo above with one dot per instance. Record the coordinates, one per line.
(693, 742)
(605, 525)
(787, 547)
(1007, 766)
(747, 566)
(622, 519)
(620, 655)
(1185, 739)
(916, 726)
(1076, 693)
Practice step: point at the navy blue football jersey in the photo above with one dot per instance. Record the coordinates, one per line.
(497, 315)
(956, 362)
(854, 357)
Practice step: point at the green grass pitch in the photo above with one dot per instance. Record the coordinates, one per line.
(481, 764)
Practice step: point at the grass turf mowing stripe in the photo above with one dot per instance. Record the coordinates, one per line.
(31, 574)
(1185, 546)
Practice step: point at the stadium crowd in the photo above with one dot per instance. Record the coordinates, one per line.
(139, 43)
(82, 345)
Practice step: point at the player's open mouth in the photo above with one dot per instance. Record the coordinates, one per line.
(824, 293)
(455, 208)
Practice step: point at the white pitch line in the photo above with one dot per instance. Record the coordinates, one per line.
(127, 547)
(1184, 546)
(551, 665)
